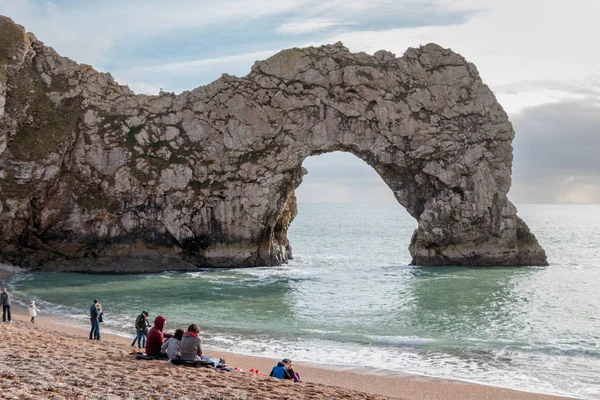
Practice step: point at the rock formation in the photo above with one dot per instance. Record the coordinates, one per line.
(95, 177)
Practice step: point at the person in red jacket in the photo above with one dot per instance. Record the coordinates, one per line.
(156, 338)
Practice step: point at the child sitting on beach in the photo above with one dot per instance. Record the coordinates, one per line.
(32, 310)
(172, 345)
(284, 370)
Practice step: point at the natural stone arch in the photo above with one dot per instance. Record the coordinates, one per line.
(94, 176)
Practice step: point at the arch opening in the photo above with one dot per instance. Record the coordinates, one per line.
(345, 210)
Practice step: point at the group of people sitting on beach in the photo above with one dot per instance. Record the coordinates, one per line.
(185, 347)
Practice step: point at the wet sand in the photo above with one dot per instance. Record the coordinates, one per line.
(54, 359)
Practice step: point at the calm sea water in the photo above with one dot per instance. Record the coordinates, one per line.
(350, 299)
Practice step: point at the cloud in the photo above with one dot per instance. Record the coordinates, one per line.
(186, 75)
(307, 26)
(79, 30)
(556, 153)
(510, 41)
(192, 66)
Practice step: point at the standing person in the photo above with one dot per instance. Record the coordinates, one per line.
(190, 347)
(141, 328)
(5, 301)
(32, 309)
(94, 314)
(156, 337)
(100, 312)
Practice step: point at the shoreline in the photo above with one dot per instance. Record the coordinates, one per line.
(379, 382)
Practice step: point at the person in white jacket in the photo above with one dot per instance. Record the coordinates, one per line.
(32, 310)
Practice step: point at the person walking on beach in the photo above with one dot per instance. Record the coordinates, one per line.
(190, 347)
(5, 301)
(141, 328)
(94, 314)
(156, 337)
(32, 309)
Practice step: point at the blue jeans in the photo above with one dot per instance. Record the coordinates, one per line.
(140, 338)
(95, 332)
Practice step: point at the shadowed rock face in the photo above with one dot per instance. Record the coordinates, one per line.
(96, 178)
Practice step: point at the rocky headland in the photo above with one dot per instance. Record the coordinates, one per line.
(96, 178)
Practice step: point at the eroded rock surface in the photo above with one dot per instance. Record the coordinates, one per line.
(95, 177)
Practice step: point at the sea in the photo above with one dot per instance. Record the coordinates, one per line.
(349, 299)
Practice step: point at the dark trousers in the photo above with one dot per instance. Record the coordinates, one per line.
(95, 332)
(5, 311)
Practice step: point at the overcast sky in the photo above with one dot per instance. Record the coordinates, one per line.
(539, 57)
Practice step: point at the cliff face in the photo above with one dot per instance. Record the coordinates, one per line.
(94, 177)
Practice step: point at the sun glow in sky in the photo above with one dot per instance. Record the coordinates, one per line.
(539, 58)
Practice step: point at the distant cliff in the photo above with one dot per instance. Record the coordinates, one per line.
(96, 178)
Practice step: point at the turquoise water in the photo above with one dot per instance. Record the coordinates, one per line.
(349, 298)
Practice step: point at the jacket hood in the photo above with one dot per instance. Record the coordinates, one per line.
(160, 322)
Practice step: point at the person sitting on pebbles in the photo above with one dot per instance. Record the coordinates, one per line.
(172, 345)
(156, 338)
(284, 370)
(190, 348)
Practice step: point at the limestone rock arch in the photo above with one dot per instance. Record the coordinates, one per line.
(96, 178)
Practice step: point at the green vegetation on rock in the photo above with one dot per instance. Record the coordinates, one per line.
(50, 124)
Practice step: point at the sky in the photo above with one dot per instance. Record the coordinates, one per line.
(538, 56)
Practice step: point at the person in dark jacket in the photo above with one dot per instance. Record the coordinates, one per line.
(156, 338)
(284, 370)
(141, 328)
(5, 301)
(94, 314)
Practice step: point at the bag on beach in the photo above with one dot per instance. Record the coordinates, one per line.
(100, 317)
